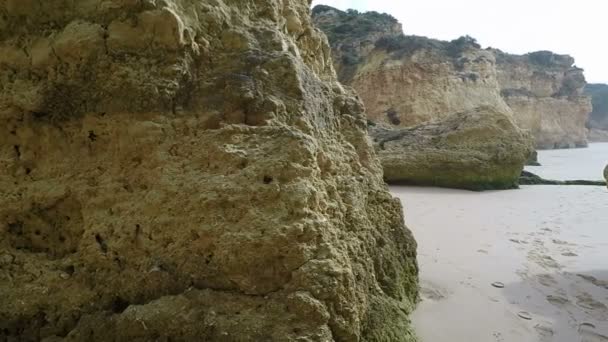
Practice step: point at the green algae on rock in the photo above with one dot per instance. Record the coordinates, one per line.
(479, 149)
(189, 170)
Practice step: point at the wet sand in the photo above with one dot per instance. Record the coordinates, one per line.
(548, 246)
(578, 163)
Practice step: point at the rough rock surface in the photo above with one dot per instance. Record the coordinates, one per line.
(189, 170)
(545, 92)
(408, 80)
(478, 149)
(598, 119)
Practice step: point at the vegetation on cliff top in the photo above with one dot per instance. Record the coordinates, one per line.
(352, 23)
(348, 30)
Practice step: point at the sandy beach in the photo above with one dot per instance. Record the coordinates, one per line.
(519, 265)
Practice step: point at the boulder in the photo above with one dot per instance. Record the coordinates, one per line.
(477, 150)
(189, 170)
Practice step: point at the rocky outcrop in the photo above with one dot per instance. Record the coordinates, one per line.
(598, 119)
(478, 149)
(545, 92)
(189, 170)
(597, 135)
(408, 80)
(606, 174)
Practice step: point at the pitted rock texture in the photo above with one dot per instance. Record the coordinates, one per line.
(545, 92)
(189, 170)
(477, 150)
(408, 80)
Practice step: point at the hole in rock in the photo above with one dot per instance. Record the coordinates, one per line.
(119, 305)
(70, 269)
(267, 179)
(101, 243)
(92, 136)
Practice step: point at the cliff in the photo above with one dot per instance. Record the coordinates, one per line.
(408, 80)
(545, 91)
(189, 170)
(478, 149)
(598, 119)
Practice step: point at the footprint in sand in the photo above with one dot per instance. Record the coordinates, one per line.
(588, 333)
(593, 280)
(430, 291)
(586, 301)
(546, 280)
(558, 301)
(545, 332)
(562, 242)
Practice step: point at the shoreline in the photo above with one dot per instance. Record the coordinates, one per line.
(551, 262)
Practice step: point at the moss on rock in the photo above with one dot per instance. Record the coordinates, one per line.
(478, 150)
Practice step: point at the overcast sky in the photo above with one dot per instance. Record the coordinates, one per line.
(578, 28)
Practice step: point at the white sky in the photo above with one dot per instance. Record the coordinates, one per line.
(578, 28)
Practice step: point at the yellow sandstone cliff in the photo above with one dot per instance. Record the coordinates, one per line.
(189, 170)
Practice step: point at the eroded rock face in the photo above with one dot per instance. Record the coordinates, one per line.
(545, 92)
(189, 170)
(408, 80)
(598, 119)
(477, 150)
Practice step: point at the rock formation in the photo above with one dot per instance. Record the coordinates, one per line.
(545, 92)
(598, 119)
(478, 149)
(189, 170)
(408, 80)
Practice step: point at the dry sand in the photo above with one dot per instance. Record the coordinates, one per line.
(548, 245)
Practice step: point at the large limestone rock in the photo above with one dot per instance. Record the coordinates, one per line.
(478, 149)
(545, 91)
(408, 80)
(189, 170)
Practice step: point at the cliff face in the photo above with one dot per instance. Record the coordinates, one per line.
(193, 162)
(545, 92)
(407, 80)
(598, 119)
